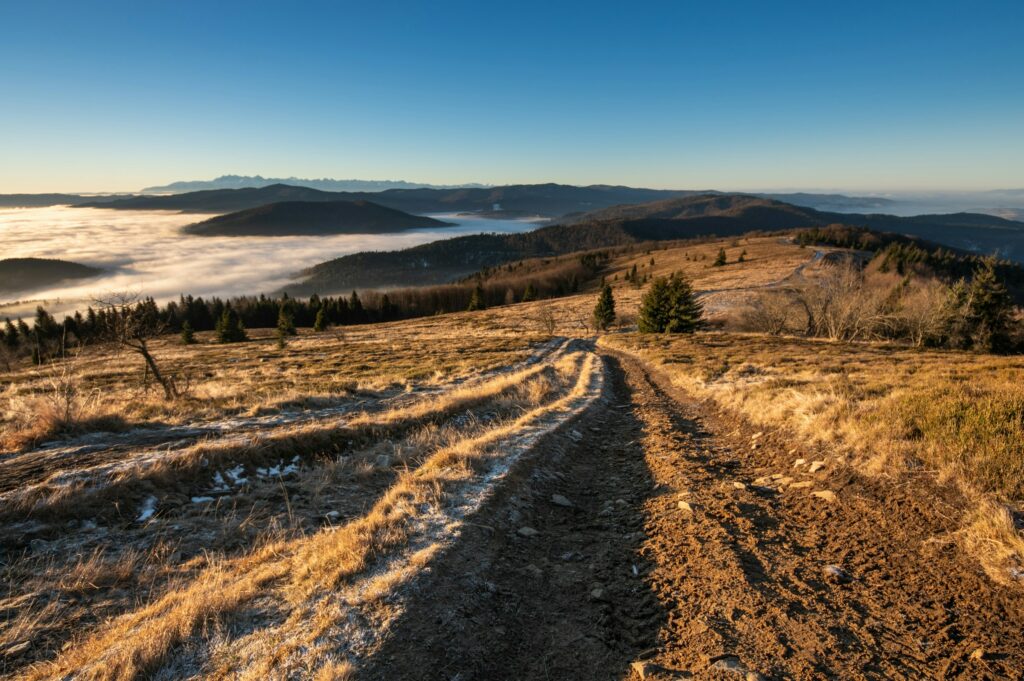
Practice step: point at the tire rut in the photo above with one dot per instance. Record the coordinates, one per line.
(754, 581)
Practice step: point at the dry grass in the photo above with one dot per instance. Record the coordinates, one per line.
(883, 407)
(297, 572)
(252, 378)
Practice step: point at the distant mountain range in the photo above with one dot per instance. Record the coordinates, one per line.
(312, 218)
(325, 184)
(679, 218)
(18, 275)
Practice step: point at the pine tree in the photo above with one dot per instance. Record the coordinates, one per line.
(188, 334)
(986, 311)
(321, 320)
(229, 327)
(720, 260)
(604, 311)
(285, 321)
(670, 306)
(529, 294)
(476, 301)
(355, 309)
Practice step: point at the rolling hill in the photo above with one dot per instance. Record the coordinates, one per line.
(26, 274)
(294, 218)
(679, 218)
(541, 199)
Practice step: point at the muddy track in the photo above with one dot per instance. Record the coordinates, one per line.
(747, 578)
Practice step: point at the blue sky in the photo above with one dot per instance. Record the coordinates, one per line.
(863, 96)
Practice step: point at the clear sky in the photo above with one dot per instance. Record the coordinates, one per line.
(100, 96)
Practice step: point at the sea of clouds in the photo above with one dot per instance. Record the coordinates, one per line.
(145, 252)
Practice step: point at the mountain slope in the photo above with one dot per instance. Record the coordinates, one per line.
(288, 218)
(680, 218)
(324, 184)
(542, 199)
(25, 274)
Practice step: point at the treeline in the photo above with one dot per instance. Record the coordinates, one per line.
(907, 255)
(47, 338)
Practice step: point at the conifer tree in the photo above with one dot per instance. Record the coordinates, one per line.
(670, 306)
(985, 320)
(476, 301)
(229, 327)
(321, 320)
(188, 334)
(604, 311)
(285, 321)
(721, 259)
(529, 294)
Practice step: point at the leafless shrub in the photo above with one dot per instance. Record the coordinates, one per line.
(770, 312)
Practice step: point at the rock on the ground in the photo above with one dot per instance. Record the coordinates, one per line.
(527, 532)
(559, 500)
(826, 495)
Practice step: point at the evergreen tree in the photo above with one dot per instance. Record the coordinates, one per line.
(670, 306)
(321, 320)
(720, 260)
(188, 335)
(285, 321)
(10, 332)
(604, 311)
(476, 301)
(355, 309)
(229, 327)
(985, 320)
(529, 294)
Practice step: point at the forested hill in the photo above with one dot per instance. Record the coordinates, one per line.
(292, 218)
(25, 274)
(539, 199)
(696, 216)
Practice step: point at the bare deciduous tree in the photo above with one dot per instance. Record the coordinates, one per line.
(132, 323)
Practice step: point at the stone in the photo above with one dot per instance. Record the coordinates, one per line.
(527, 532)
(827, 495)
(837, 574)
(597, 594)
(756, 436)
(728, 663)
(799, 462)
(559, 500)
(739, 485)
(685, 506)
(801, 485)
(978, 654)
(383, 461)
(816, 466)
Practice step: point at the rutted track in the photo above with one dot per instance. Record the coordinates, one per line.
(486, 455)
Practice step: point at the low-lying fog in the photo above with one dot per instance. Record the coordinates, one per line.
(144, 251)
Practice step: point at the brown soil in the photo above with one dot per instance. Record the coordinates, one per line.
(755, 581)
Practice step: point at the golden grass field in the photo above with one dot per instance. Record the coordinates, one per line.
(298, 555)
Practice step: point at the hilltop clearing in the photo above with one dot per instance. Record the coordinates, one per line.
(496, 494)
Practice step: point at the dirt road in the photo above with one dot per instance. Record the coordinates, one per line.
(650, 540)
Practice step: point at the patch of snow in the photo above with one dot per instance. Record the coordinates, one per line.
(148, 509)
(202, 500)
